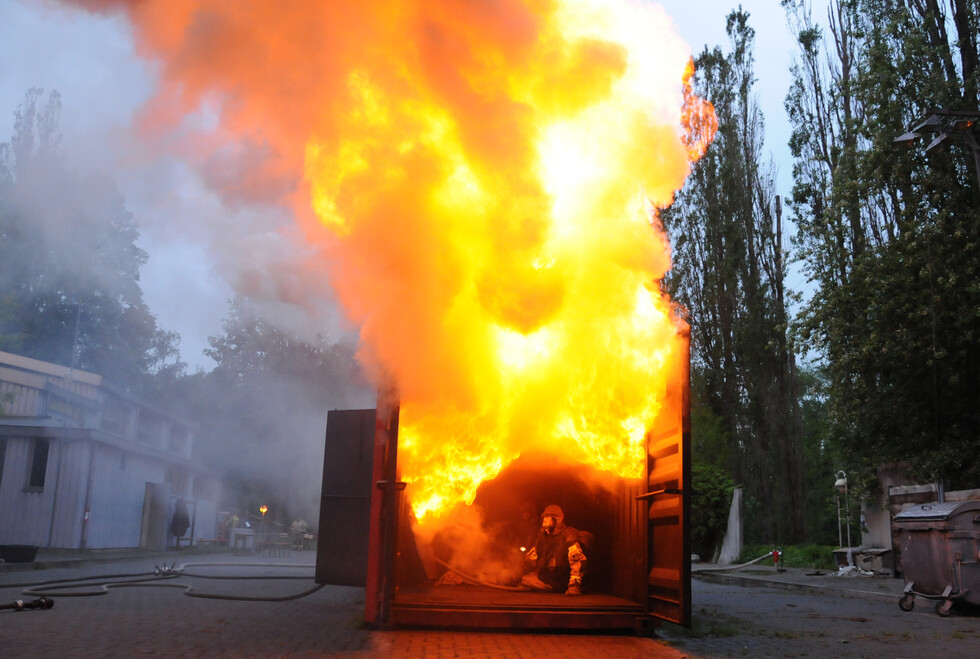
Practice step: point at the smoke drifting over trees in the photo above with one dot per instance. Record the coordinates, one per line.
(70, 294)
(70, 277)
(262, 410)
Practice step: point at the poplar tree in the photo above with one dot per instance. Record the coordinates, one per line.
(729, 272)
(888, 235)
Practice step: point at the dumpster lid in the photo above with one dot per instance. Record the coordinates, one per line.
(937, 510)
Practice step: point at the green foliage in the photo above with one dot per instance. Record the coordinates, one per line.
(822, 458)
(710, 504)
(888, 236)
(728, 271)
(807, 556)
(70, 276)
(709, 436)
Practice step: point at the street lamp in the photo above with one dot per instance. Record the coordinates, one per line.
(946, 125)
(841, 485)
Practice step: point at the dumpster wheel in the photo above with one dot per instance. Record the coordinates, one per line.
(943, 607)
(907, 602)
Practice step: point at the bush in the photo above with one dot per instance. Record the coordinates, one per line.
(810, 556)
(710, 503)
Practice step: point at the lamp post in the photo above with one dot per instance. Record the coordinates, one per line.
(946, 125)
(263, 509)
(841, 485)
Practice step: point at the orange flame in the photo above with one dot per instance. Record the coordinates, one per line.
(484, 180)
(498, 205)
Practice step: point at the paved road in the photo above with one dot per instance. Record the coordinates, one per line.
(765, 621)
(133, 617)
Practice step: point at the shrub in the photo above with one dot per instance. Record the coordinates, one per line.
(810, 556)
(710, 503)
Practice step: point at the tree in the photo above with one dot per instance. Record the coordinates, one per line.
(70, 280)
(889, 237)
(261, 413)
(725, 227)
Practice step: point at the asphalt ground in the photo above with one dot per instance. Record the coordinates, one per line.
(224, 605)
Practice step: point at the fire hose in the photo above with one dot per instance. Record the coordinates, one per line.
(20, 605)
(101, 584)
(739, 566)
(475, 581)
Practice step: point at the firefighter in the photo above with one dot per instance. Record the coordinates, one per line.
(181, 521)
(557, 561)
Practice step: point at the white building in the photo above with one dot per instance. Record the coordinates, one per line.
(86, 465)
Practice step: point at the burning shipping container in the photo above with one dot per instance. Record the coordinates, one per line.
(639, 559)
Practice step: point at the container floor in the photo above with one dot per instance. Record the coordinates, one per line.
(466, 606)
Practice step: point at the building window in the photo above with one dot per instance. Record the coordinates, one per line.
(3, 455)
(39, 465)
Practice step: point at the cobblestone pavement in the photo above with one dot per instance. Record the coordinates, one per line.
(135, 617)
(121, 609)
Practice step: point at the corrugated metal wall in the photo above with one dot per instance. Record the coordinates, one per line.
(118, 486)
(26, 399)
(25, 517)
(630, 534)
(14, 477)
(66, 521)
(111, 481)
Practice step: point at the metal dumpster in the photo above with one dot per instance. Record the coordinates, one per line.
(939, 548)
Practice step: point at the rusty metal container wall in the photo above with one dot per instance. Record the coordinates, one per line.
(668, 473)
(628, 577)
(940, 544)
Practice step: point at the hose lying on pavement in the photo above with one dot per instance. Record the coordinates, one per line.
(723, 568)
(20, 605)
(103, 583)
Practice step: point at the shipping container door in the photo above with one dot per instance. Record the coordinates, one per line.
(668, 495)
(345, 499)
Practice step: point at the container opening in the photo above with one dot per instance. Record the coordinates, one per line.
(484, 543)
